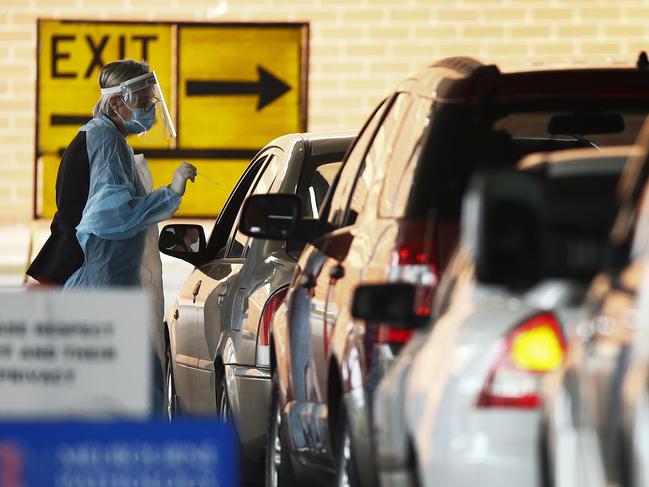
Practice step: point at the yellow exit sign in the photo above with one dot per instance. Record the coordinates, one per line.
(231, 88)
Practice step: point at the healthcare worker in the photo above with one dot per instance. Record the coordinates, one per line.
(118, 211)
(99, 159)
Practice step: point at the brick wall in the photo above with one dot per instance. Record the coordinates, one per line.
(359, 50)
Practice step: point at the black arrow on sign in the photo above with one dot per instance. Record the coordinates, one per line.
(269, 88)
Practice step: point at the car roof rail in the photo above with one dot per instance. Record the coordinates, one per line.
(467, 66)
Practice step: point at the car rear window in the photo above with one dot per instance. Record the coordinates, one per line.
(462, 138)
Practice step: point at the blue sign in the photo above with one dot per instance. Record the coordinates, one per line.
(118, 454)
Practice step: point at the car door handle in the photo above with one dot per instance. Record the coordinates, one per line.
(222, 293)
(197, 287)
(307, 281)
(337, 272)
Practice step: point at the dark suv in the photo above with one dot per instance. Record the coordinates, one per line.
(393, 215)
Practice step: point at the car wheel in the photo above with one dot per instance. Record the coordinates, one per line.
(171, 401)
(223, 409)
(278, 465)
(346, 471)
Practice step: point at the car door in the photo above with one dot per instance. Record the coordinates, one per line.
(221, 299)
(183, 321)
(325, 261)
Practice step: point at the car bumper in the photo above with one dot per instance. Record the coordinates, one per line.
(481, 447)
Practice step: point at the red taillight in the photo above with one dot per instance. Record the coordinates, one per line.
(415, 253)
(531, 350)
(263, 337)
(413, 262)
(389, 334)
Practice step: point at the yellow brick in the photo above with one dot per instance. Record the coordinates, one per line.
(15, 106)
(506, 49)
(625, 31)
(409, 15)
(18, 72)
(602, 48)
(374, 49)
(457, 14)
(324, 50)
(322, 14)
(634, 48)
(430, 32)
(324, 85)
(23, 88)
(41, 4)
(545, 13)
(484, 32)
(460, 48)
(17, 36)
(532, 31)
(607, 14)
(16, 140)
(364, 16)
(335, 33)
(638, 13)
(322, 121)
(580, 31)
(417, 50)
(500, 14)
(390, 67)
(335, 68)
(389, 32)
(359, 84)
(554, 48)
(24, 123)
(17, 19)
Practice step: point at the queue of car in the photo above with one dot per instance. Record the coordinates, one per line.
(406, 306)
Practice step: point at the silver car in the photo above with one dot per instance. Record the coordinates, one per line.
(596, 421)
(217, 331)
(461, 406)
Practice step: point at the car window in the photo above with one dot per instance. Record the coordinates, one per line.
(349, 172)
(379, 153)
(403, 159)
(315, 189)
(239, 242)
(222, 227)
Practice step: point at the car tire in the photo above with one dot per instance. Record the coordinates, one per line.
(278, 469)
(346, 470)
(170, 398)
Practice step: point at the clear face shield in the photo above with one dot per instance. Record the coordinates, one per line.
(143, 92)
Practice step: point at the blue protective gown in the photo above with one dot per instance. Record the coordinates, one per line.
(114, 222)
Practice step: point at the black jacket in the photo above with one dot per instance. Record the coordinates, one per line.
(61, 255)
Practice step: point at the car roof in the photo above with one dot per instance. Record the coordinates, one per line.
(322, 142)
(576, 162)
(464, 80)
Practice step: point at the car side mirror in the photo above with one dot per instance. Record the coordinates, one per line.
(503, 223)
(184, 241)
(271, 216)
(392, 303)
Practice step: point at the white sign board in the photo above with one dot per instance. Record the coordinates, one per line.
(82, 353)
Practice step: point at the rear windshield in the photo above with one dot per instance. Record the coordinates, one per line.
(463, 138)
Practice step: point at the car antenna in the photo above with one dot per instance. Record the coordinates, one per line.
(643, 61)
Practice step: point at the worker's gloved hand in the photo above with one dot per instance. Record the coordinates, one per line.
(184, 172)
